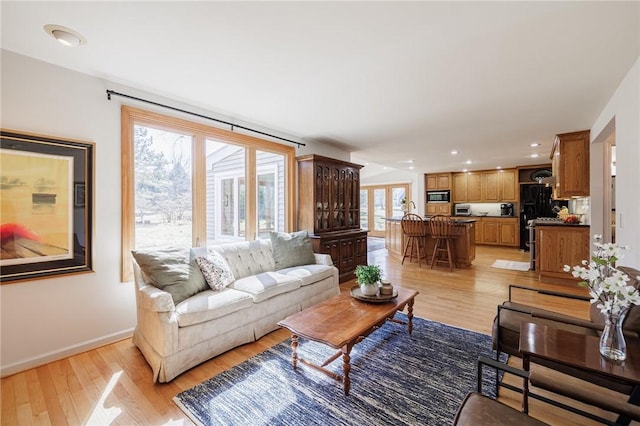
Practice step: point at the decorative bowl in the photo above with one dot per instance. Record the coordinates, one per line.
(572, 219)
(483, 213)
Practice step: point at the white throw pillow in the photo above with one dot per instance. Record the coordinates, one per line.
(216, 270)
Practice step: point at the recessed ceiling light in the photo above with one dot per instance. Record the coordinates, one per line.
(534, 155)
(468, 162)
(533, 145)
(454, 152)
(411, 167)
(498, 167)
(465, 170)
(65, 35)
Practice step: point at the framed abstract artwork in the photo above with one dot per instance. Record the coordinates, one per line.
(46, 216)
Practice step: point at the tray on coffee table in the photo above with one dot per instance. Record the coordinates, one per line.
(378, 298)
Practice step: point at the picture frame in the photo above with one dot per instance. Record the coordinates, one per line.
(46, 201)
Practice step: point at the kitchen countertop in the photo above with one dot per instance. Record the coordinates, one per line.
(457, 221)
(551, 223)
(494, 216)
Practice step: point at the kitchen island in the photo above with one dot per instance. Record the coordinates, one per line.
(464, 245)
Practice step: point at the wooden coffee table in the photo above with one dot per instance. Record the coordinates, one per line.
(341, 322)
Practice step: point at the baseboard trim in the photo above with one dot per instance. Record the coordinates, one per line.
(17, 367)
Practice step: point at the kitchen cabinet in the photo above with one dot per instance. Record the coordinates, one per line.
(509, 232)
(491, 185)
(509, 186)
(490, 231)
(570, 165)
(559, 245)
(329, 209)
(498, 231)
(459, 191)
(438, 208)
(488, 186)
(437, 181)
(474, 187)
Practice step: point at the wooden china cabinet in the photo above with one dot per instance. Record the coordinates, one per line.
(329, 209)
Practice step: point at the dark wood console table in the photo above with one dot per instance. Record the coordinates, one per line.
(579, 351)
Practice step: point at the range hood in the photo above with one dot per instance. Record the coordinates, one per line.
(551, 180)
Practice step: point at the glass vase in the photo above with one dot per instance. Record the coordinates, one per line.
(612, 344)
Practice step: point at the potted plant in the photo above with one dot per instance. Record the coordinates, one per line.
(367, 277)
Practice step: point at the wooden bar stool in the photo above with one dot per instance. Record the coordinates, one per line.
(415, 229)
(443, 230)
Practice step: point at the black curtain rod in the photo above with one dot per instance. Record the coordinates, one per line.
(111, 92)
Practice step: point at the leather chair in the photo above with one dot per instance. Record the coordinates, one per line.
(487, 411)
(415, 229)
(478, 409)
(443, 230)
(510, 314)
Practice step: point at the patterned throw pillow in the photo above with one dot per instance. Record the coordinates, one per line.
(216, 270)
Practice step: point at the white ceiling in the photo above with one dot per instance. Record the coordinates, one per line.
(389, 81)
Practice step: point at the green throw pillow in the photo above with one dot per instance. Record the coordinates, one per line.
(292, 249)
(170, 270)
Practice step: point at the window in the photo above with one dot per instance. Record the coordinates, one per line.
(162, 176)
(225, 192)
(186, 184)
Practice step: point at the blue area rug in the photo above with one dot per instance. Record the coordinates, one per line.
(396, 379)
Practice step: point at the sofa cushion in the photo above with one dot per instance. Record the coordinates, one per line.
(170, 270)
(266, 285)
(247, 258)
(291, 249)
(308, 274)
(209, 305)
(215, 269)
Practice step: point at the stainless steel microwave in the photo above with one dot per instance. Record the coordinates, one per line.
(438, 196)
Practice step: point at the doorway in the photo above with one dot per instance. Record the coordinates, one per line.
(610, 189)
(378, 202)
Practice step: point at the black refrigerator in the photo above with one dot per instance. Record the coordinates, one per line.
(535, 202)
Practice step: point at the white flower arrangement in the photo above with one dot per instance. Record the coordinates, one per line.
(607, 285)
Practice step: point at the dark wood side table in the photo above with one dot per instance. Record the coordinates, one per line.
(575, 350)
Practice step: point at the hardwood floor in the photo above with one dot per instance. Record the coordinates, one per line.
(112, 384)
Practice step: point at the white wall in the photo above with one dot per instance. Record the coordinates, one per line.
(48, 319)
(624, 106)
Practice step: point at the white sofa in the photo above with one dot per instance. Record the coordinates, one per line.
(174, 338)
